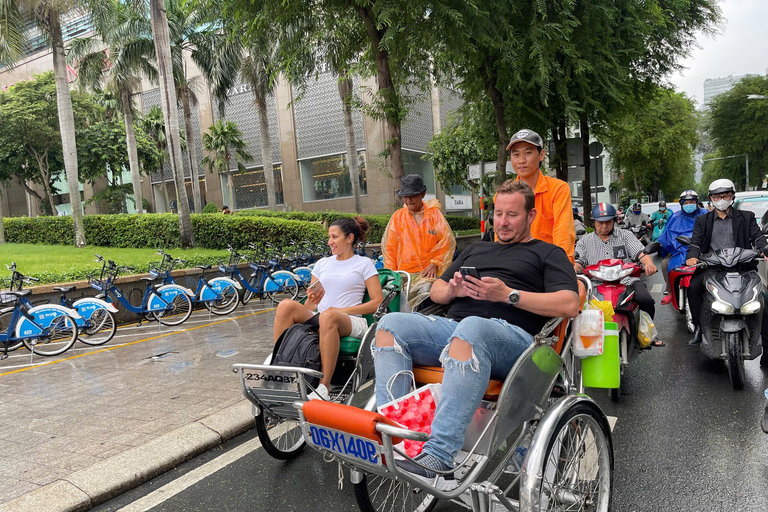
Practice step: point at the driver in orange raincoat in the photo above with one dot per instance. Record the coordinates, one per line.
(418, 239)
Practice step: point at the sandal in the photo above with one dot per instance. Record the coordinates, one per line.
(666, 300)
(658, 343)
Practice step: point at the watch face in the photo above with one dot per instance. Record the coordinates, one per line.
(513, 297)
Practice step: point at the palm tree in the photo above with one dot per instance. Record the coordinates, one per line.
(163, 57)
(222, 139)
(127, 37)
(46, 15)
(154, 126)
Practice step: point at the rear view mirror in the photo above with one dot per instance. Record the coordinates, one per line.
(683, 240)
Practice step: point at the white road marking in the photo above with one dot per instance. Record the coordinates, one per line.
(657, 288)
(171, 489)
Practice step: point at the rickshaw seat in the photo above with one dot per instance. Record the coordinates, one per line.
(346, 418)
(434, 375)
(348, 345)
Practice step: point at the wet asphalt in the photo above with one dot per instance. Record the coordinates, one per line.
(684, 440)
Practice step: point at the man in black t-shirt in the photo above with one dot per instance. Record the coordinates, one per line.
(491, 322)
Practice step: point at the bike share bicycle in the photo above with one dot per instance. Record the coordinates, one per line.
(219, 295)
(168, 304)
(47, 330)
(265, 281)
(272, 389)
(568, 465)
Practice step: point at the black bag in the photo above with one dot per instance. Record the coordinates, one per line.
(299, 346)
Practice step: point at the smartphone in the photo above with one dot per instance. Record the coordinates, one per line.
(469, 271)
(315, 286)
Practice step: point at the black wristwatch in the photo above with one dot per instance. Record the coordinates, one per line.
(513, 298)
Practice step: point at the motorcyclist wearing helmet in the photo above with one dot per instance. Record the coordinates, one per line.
(722, 228)
(609, 241)
(659, 220)
(635, 217)
(681, 223)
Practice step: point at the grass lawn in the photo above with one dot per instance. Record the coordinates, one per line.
(63, 263)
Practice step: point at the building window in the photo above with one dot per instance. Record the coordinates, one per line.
(327, 177)
(249, 189)
(414, 164)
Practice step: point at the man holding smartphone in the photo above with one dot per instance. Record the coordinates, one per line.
(491, 321)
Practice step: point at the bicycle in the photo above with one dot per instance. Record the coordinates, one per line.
(264, 281)
(46, 330)
(168, 304)
(98, 324)
(219, 295)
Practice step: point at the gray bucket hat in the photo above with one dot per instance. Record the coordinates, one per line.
(411, 185)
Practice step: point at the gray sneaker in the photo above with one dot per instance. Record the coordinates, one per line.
(764, 423)
(442, 482)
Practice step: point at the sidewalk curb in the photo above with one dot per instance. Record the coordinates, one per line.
(89, 487)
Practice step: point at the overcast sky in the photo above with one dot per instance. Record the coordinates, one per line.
(741, 47)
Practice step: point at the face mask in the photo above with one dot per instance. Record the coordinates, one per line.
(636, 212)
(662, 209)
(722, 204)
(689, 208)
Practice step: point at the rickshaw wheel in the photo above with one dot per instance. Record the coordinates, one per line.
(281, 438)
(578, 466)
(376, 493)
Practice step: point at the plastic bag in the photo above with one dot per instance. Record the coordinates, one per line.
(589, 332)
(646, 333)
(605, 306)
(414, 411)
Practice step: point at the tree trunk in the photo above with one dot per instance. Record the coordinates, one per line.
(66, 124)
(587, 185)
(501, 129)
(345, 92)
(2, 220)
(45, 177)
(133, 155)
(171, 116)
(191, 151)
(266, 150)
(561, 148)
(391, 101)
(231, 187)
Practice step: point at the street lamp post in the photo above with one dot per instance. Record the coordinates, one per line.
(731, 156)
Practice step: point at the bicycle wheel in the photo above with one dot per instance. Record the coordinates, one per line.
(5, 319)
(179, 311)
(59, 337)
(248, 293)
(281, 438)
(226, 304)
(288, 286)
(376, 493)
(577, 471)
(99, 329)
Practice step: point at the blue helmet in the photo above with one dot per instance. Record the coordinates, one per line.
(603, 212)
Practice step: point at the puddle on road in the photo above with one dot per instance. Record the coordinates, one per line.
(157, 357)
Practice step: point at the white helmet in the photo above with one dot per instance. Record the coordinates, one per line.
(720, 186)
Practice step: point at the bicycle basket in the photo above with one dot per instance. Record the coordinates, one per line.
(6, 297)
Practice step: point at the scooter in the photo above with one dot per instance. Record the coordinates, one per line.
(626, 310)
(680, 278)
(732, 313)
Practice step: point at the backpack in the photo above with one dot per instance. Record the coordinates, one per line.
(299, 346)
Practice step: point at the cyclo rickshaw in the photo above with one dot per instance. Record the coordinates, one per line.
(272, 389)
(569, 460)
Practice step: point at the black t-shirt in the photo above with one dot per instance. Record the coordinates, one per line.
(533, 266)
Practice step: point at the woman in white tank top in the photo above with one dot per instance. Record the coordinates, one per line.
(336, 293)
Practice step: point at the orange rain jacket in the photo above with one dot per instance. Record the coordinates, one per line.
(554, 214)
(411, 247)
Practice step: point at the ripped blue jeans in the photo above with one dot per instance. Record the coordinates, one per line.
(425, 340)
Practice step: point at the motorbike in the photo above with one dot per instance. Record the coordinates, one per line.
(642, 232)
(609, 273)
(732, 313)
(680, 278)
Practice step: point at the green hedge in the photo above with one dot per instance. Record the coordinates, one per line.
(377, 222)
(162, 230)
(210, 231)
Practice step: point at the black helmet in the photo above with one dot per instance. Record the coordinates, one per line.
(662, 204)
(689, 195)
(603, 212)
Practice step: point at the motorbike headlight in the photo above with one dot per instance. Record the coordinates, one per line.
(613, 273)
(751, 307)
(722, 308)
